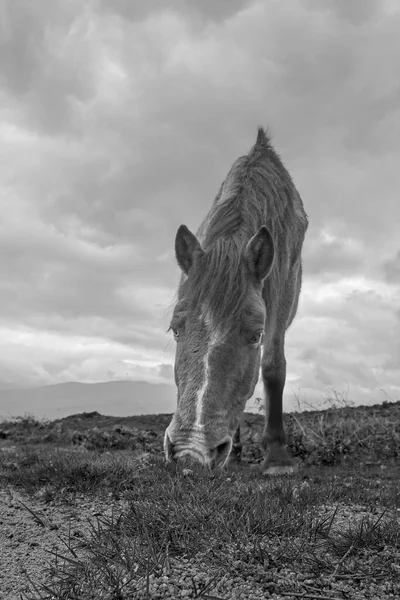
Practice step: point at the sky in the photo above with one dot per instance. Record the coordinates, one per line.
(119, 119)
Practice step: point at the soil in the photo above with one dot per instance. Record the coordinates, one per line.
(33, 531)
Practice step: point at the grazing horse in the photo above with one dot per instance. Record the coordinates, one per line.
(238, 294)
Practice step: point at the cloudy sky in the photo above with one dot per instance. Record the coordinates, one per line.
(119, 119)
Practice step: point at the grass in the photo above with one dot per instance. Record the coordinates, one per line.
(285, 535)
(235, 525)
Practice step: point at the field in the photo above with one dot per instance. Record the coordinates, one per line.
(89, 510)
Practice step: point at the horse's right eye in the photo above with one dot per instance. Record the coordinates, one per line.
(256, 338)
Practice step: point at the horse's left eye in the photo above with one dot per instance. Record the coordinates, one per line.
(256, 338)
(176, 333)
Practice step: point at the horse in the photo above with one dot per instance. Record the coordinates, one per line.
(238, 294)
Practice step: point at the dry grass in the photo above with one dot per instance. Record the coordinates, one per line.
(286, 536)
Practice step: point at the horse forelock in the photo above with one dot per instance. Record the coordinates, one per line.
(220, 282)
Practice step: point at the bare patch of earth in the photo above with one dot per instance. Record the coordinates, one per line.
(33, 532)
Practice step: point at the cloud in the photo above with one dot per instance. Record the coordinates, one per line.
(327, 256)
(391, 269)
(166, 372)
(120, 119)
(214, 11)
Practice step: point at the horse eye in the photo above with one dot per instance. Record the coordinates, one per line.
(176, 333)
(256, 338)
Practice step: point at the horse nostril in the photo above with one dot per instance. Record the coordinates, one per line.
(168, 447)
(223, 450)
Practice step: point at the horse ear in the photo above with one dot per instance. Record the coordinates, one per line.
(187, 248)
(259, 254)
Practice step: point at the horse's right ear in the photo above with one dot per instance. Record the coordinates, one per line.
(259, 253)
(187, 248)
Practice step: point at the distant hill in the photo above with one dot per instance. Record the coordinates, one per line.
(118, 398)
(5, 385)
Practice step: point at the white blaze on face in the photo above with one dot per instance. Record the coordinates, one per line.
(216, 339)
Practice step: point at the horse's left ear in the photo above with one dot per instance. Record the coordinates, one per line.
(259, 254)
(187, 248)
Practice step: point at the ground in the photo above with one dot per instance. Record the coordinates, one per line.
(88, 509)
